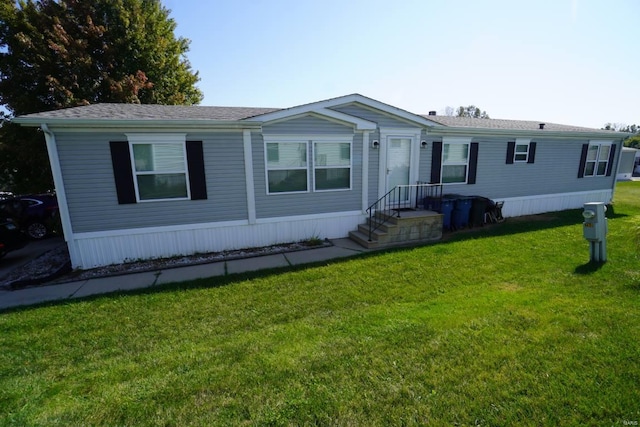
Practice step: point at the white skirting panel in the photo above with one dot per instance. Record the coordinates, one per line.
(90, 250)
(531, 205)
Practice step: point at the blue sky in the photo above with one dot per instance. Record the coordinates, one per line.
(563, 61)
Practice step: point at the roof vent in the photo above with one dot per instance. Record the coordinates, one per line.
(541, 125)
(432, 113)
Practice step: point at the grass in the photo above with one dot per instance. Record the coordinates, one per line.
(507, 325)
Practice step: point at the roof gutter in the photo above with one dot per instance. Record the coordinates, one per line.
(465, 131)
(137, 123)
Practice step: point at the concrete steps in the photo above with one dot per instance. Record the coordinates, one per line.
(412, 227)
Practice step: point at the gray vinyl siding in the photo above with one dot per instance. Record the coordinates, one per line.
(91, 194)
(424, 174)
(381, 119)
(277, 205)
(555, 171)
(307, 125)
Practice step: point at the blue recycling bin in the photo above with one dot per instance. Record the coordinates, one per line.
(460, 214)
(446, 207)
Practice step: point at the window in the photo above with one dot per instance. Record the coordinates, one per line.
(521, 153)
(149, 167)
(522, 150)
(332, 166)
(286, 167)
(455, 162)
(597, 160)
(160, 170)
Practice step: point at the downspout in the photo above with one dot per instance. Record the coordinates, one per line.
(61, 195)
(365, 171)
(615, 177)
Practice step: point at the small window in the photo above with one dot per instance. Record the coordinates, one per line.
(332, 166)
(160, 171)
(597, 161)
(455, 163)
(287, 167)
(521, 153)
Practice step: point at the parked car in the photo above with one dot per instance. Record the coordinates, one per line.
(11, 237)
(35, 214)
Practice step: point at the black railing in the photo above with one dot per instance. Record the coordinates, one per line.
(399, 198)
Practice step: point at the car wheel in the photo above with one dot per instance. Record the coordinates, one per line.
(37, 230)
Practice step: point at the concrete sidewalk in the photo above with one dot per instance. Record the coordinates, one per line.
(341, 248)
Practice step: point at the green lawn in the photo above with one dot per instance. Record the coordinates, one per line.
(505, 326)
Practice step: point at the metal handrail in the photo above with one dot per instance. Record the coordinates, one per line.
(398, 198)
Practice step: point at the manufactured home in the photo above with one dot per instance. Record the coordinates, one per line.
(148, 181)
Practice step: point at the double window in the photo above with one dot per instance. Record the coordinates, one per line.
(597, 160)
(323, 164)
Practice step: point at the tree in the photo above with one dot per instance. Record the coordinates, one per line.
(471, 111)
(64, 53)
(632, 141)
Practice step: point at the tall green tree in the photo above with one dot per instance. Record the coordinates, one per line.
(471, 111)
(65, 53)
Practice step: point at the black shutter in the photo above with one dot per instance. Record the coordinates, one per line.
(473, 163)
(511, 149)
(195, 162)
(583, 160)
(122, 173)
(436, 162)
(532, 152)
(612, 156)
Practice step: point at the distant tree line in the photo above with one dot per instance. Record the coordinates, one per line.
(468, 111)
(632, 141)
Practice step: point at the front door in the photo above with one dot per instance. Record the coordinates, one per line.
(398, 165)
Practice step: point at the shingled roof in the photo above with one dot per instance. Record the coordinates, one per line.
(107, 111)
(150, 113)
(476, 123)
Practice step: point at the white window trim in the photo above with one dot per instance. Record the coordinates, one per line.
(314, 166)
(599, 144)
(158, 139)
(309, 140)
(456, 141)
(522, 141)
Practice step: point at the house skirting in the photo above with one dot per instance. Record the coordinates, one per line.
(531, 205)
(89, 250)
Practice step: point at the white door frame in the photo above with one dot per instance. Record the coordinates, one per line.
(385, 135)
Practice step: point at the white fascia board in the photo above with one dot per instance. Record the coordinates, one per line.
(343, 100)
